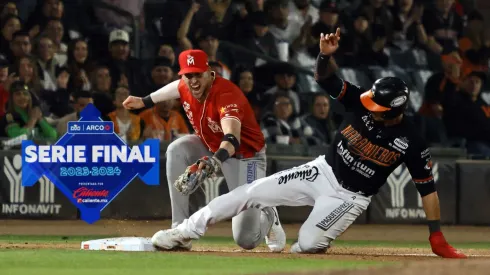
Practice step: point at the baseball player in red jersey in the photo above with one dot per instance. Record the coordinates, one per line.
(228, 141)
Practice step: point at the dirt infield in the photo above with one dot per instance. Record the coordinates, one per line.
(412, 259)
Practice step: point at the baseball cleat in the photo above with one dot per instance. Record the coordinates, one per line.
(171, 239)
(276, 238)
(296, 249)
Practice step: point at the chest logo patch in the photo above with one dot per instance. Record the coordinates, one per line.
(402, 144)
(214, 126)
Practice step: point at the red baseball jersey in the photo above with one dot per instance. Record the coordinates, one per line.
(224, 101)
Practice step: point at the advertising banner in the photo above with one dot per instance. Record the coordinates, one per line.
(474, 192)
(399, 201)
(43, 201)
(90, 164)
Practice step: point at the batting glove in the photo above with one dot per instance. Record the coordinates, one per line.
(192, 178)
(441, 248)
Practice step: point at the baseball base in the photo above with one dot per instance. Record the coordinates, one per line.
(119, 244)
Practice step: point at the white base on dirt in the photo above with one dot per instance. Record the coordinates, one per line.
(120, 244)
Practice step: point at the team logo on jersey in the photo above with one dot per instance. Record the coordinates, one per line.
(188, 113)
(214, 126)
(398, 101)
(190, 60)
(361, 146)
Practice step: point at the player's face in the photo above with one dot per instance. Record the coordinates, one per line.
(377, 116)
(198, 83)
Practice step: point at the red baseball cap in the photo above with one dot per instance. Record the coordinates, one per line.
(193, 61)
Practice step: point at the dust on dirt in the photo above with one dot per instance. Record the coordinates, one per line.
(413, 260)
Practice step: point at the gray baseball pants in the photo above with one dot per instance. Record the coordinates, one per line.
(249, 227)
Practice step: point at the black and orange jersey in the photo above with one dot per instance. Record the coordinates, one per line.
(364, 152)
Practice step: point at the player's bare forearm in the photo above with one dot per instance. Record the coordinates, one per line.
(233, 127)
(431, 206)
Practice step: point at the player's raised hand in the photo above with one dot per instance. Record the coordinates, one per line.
(133, 102)
(329, 43)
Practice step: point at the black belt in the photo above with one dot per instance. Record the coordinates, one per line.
(352, 189)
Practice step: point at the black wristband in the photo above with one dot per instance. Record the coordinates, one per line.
(233, 140)
(321, 66)
(222, 154)
(148, 101)
(434, 226)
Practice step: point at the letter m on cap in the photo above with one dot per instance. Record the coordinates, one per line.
(190, 60)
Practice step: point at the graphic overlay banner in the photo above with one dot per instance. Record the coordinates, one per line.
(90, 164)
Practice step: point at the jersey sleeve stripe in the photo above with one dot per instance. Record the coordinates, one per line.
(344, 89)
(232, 117)
(431, 178)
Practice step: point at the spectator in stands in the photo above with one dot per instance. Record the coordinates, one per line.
(54, 29)
(10, 8)
(48, 65)
(244, 79)
(126, 124)
(363, 46)
(167, 51)
(183, 31)
(287, 33)
(102, 90)
(207, 40)
(466, 114)
(124, 69)
(58, 100)
(163, 123)
(79, 65)
(379, 17)
(319, 120)
(254, 35)
(111, 19)
(24, 118)
(475, 42)
(80, 100)
(436, 83)
(9, 25)
(285, 79)
(281, 126)
(408, 28)
(46, 9)
(161, 74)
(328, 23)
(443, 25)
(6, 80)
(26, 69)
(216, 67)
(20, 46)
(300, 10)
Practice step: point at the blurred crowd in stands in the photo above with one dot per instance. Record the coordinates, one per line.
(57, 56)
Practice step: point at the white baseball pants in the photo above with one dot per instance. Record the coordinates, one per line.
(313, 184)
